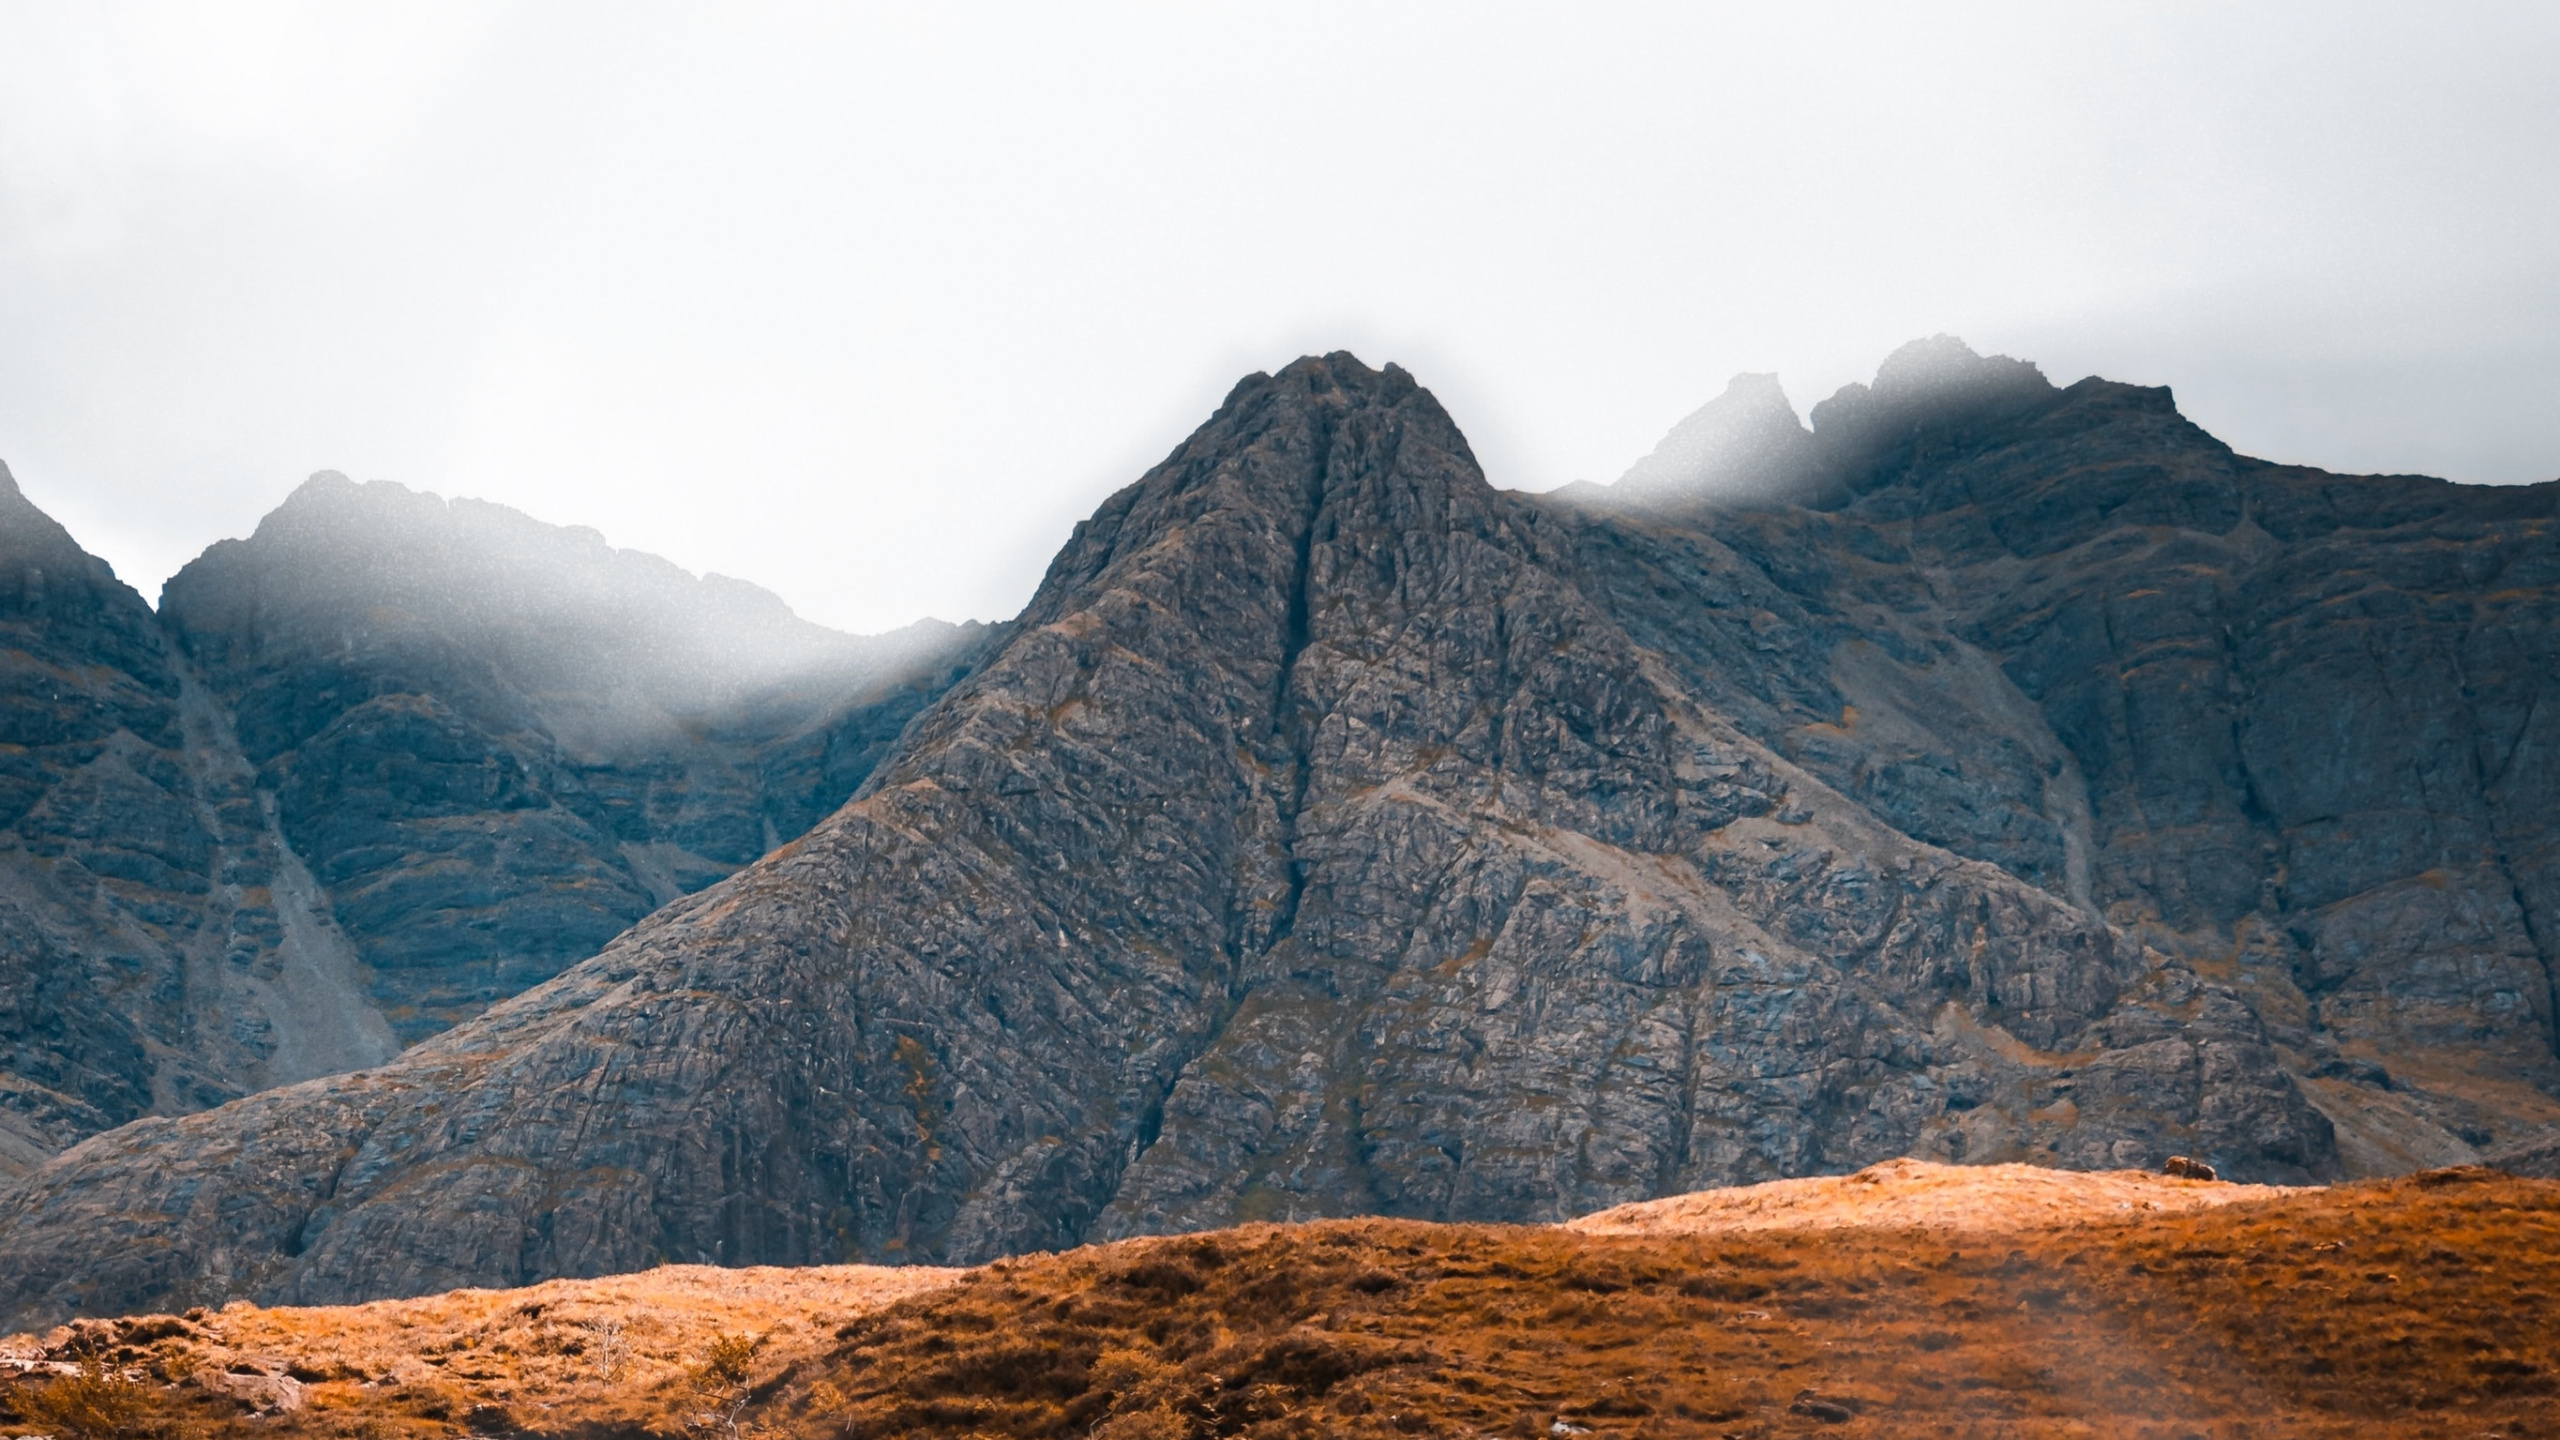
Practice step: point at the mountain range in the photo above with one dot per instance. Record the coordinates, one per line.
(380, 764)
(1988, 771)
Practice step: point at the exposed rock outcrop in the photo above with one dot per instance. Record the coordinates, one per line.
(161, 948)
(2537, 1156)
(1335, 834)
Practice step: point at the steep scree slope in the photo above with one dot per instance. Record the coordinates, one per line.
(1319, 842)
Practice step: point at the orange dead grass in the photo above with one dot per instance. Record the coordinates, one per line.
(1924, 1195)
(614, 1353)
(2225, 1320)
(2419, 1307)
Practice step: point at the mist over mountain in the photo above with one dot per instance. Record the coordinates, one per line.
(1746, 444)
(1747, 447)
(507, 741)
(1989, 771)
(387, 760)
(614, 650)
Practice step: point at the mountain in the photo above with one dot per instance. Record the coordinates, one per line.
(503, 741)
(109, 849)
(384, 762)
(2292, 729)
(2027, 776)
(1746, 444)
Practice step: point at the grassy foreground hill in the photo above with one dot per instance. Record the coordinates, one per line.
(1909, 1299)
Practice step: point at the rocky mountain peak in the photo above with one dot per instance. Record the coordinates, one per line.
(1942, 369)
(46, 576)
(102, 857)
(1745, 444)
(1263, 459)
(1937, 375)
(1747, 447)
(1931, 384)
(605, 638)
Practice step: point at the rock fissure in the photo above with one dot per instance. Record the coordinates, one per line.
(1290, 721)
(2543, 945)
(2542, 949)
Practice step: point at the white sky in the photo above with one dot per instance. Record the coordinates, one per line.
(869, 306)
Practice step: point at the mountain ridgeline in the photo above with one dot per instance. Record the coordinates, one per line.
(386, 761)
(1991, 771)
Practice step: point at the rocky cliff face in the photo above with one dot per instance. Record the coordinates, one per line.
(1336, 834)
(383, 763)
(165, 950)
(91, 732)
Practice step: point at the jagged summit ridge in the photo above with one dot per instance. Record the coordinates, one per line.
(1747, 446)
(1934, 378)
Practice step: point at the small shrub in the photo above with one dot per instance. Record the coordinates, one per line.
(96, 1404)
(727, 1362)
(722, 1380)
(608, 1347)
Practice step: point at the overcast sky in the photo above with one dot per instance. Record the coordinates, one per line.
(869, 306)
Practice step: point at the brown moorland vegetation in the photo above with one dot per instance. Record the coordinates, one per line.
(1924, 1195)
(2418, 1307)
(622, 1354)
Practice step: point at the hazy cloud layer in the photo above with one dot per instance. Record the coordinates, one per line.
(869, 306)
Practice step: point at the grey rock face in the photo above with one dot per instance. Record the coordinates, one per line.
(89, 713)
(1335, 834)
(2535, 1155)
(163, 949)
(383, 763)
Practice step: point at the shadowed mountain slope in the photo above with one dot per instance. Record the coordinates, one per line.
(91, 740)
(380, 764)
(1332, 834)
